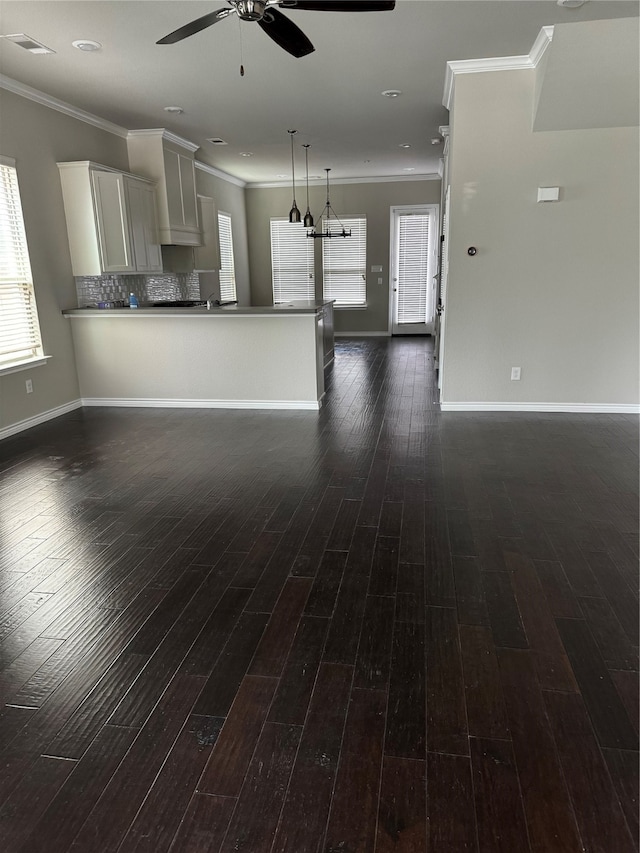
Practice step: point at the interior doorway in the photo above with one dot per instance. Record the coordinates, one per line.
(414, 242)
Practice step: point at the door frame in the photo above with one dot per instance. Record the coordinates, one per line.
(431, 209)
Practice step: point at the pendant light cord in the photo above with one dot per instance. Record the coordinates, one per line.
(293, 168)
(294, 213)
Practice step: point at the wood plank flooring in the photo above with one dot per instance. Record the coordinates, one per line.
(373, 629)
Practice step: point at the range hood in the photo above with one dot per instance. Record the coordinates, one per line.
(168, 159)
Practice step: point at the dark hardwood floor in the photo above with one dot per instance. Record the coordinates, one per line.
(375, 628)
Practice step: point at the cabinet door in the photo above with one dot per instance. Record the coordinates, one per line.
(207, 256)
(110, 202)
(174, 192)
(188, 189)
(144, 228)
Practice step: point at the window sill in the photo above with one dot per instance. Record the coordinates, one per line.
(350, 307)
(17, 366)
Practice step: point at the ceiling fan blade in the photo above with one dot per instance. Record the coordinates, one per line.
(195, 26)
(285, 33)
(340, 5)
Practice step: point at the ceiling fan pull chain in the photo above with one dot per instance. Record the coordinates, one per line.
(241, 56)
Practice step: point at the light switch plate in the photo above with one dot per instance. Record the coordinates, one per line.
(548, 193)
(376, 268)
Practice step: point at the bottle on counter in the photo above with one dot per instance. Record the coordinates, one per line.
(133, 300)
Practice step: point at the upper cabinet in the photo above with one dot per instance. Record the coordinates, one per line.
(168, 160)
(111, 220)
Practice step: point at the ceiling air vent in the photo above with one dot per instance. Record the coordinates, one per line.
(28, 43)
(215, 140)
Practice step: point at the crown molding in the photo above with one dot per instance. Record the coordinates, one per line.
(163, 133)
(383, 179)
(39, 97)
(496, 63)
(217, 173)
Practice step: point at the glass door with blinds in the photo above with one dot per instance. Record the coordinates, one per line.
(413, 269)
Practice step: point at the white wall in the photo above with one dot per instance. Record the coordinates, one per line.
(553, 288)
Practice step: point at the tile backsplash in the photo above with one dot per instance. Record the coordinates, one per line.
(154, 287)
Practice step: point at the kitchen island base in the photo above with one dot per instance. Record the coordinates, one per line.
(194, 358)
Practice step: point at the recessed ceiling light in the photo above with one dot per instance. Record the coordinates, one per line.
(282, 176)
(87, 45)
(571, 4)
(436, 140)
(173, 110)
(404, 145)
(26, 42)
(246, 153)
(215, 140)
(409, 169)
(391, 93)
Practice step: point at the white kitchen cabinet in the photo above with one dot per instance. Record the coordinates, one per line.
(167, 159)
(111, 220)
(143, 224)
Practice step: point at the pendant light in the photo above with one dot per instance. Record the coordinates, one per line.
(308, 218)
(294, 213)
(325, 229)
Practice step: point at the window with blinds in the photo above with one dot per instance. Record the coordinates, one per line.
(227, 266)
(19, 328)
(413, 268)
(344, 264)
(291, 262)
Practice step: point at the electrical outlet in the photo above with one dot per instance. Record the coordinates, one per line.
(515, 373)
(29, 386)
(379, 280)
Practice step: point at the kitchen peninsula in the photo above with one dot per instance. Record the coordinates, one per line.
(231, 357)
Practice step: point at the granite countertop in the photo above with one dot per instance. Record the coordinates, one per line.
(312, 306)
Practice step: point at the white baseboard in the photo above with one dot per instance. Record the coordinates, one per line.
(12, 429)
(585, 408)
(384, 334)
(172, 403)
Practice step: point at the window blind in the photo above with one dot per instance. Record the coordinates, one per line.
(227, 266)
(19, 329)
(344, 264)
(413, 267)
(291, 262)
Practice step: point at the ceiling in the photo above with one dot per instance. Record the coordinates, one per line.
(331, 97)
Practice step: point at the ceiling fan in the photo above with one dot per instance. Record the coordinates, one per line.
(276, 25)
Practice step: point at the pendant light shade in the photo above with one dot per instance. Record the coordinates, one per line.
(294, 213)
(308, 218)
